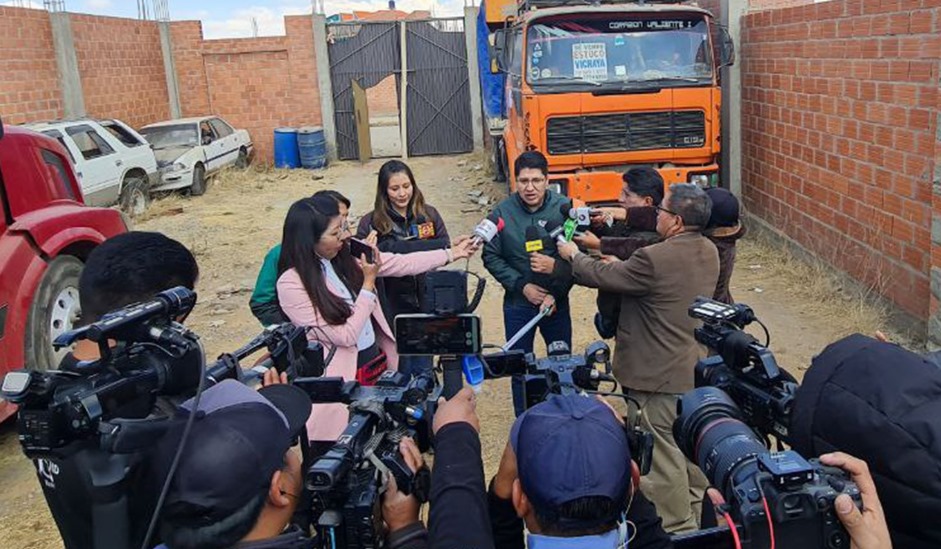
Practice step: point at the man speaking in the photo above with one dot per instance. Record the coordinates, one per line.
(655, 351)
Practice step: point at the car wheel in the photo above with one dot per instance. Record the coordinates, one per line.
(199, 181)
(54, 310)
(135, 196)
(242, 162)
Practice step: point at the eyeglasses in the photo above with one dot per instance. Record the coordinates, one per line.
(664, 210)
(531, 182)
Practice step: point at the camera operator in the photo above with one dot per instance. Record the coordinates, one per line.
(125, 269)
(655, 349)
(881, 403)
(238, 480)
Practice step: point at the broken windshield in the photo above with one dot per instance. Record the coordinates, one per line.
(593, 50)
(164, 137)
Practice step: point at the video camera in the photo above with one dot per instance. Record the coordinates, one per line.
(773, 498)
(348, 480)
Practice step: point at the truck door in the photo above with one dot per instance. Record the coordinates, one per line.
(98, 167)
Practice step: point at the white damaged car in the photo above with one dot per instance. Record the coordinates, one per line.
(188, 150)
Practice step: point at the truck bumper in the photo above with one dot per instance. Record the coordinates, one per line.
(600, 186)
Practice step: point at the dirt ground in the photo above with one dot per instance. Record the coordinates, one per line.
(239, 219)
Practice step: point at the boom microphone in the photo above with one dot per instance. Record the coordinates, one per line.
(487, 229)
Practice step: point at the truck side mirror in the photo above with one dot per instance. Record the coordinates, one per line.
(726, 47)
(499, 51)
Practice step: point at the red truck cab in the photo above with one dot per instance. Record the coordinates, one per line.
(46, 233)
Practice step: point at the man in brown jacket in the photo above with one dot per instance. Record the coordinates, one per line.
(655, 350)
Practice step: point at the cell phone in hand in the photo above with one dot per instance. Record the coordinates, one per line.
(360, 249)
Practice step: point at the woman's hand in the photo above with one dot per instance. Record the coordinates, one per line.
(463, 249)
(372, 238)
(370, 269)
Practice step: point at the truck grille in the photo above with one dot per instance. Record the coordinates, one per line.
(626, 132)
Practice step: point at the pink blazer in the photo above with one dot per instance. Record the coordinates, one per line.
(327, 421)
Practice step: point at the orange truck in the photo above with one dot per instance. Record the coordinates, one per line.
(602, 88)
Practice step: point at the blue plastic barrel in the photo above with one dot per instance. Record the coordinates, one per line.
(313, 147)
(286, 154)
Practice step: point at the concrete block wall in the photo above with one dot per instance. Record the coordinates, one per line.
(121, 69)
(840, 121)
(29, 81)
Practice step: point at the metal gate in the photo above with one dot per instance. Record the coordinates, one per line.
(438, 119)
(367, 53)
(439, 114)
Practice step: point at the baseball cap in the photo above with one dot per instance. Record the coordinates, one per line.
(570, 447)
(724, 208)
(238, 440)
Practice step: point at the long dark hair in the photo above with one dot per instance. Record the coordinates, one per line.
(380, 215)
(305, 224)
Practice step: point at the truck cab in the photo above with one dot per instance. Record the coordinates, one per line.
(600, 89)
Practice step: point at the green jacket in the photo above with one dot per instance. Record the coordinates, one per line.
(506, 258)
(265, 285)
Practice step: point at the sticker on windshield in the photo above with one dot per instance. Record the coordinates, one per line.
(546, 73)
(619, 40)
(620, 70)
(590, 61)
(534, 73)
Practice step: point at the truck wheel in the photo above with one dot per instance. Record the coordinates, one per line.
(54, 310)
(242, 162)
(199, 181)
(499, 161)
(135, 196)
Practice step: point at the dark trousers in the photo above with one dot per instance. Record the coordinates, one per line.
(556, 327)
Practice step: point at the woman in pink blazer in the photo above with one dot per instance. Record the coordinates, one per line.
(324, 288)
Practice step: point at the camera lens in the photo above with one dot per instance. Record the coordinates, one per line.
(710, 433)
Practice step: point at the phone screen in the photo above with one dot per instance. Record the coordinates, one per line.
(437, 335)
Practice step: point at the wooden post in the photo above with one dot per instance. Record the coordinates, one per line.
(361, 113)
(403, 102)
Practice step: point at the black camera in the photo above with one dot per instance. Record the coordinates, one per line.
(743, 367)
(778, 496)
(349, 478)
(742, 399)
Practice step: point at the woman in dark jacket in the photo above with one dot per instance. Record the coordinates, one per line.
(404, 223)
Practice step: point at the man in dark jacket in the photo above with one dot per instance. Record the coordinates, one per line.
(880, 403)
(506, 258)
(724, 230)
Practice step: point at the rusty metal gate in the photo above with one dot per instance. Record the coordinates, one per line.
(439, 114)
(438, 117)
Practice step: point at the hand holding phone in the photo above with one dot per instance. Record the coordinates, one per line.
(360, 249)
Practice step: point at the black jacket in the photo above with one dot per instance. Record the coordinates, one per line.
(400, 295)
(882, 404)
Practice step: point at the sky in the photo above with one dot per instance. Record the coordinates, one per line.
(232, 18)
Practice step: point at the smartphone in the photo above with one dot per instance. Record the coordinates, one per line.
(421, 334)
(360, 249)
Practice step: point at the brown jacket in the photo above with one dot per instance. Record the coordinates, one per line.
(655, 349)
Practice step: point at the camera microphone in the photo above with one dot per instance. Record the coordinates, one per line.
(487, 229)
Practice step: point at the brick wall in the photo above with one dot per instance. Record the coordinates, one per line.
(839, 118)
(121, 67)
(29, 81)
(776, 4)
(383, 98)
(258, 84)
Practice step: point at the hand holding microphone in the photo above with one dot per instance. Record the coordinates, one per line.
(538, 262)
(486, 230)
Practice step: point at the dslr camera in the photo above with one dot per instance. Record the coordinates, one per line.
(724, 426)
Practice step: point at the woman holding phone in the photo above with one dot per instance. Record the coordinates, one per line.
(404, 223)
(321, 286)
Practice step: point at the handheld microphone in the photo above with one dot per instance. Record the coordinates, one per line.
(570, 225)
(555, 231)
(533, 239)
(487, 229)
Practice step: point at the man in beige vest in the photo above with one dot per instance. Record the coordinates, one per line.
(656, 352)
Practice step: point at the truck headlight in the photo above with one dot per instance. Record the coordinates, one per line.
(700, 180)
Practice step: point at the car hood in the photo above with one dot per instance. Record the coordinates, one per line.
(167, 156)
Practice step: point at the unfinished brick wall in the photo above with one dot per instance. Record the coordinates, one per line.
(839, 117)
(121, 66)
(776, 4)
(29, 79)
(257, 84)
(383, 98)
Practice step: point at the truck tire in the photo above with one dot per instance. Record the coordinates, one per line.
(499, 161)
(54, 310)
(199, 181)
(135, 195)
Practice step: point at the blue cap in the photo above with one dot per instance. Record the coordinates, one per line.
(238, 440)
(570, 447)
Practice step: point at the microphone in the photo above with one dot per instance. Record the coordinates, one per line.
(487, 229)
(533, 239)
(555, 231)
(570, 225)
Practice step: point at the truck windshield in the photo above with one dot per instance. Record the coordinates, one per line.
(165, 137)
(594, 51)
